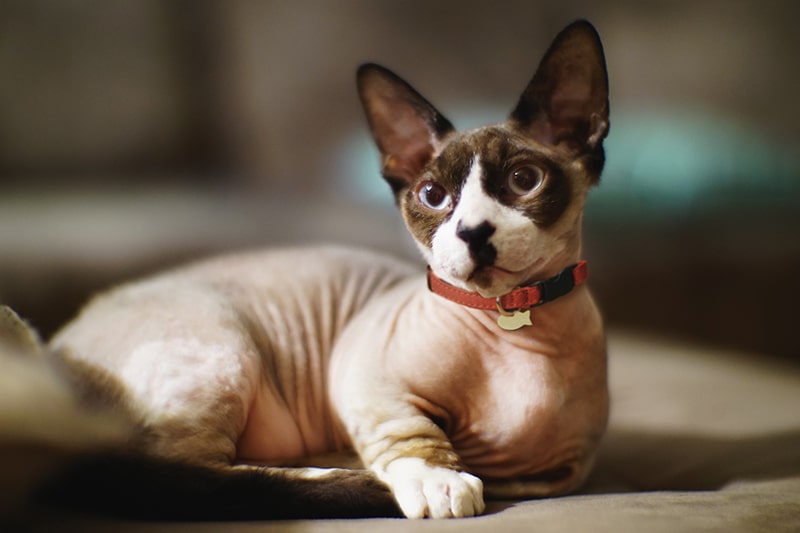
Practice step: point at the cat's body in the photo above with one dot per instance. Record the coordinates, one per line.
(250, 371)
(249, 345)
(268, 358)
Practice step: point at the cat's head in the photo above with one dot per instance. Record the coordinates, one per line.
(499, 206)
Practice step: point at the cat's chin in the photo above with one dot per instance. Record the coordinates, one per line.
(492, 281)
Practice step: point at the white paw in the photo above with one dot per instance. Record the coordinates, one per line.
(433, 492)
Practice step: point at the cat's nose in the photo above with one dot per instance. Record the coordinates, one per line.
(477, 239)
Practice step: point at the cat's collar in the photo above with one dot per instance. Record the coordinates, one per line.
(521, 298)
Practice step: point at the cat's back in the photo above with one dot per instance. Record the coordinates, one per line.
(228, 357)
(298, 300)
(277, 293)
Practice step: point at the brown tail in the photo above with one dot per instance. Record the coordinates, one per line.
(147, 489)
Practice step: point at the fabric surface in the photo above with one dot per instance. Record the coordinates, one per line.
(699, 440)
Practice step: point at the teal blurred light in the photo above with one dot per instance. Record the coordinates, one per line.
(663, 163)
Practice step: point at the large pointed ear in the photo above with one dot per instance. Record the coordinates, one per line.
(407, 128)
(566, 102)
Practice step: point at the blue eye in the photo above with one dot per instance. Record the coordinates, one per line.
(525, 179)
(433, 196)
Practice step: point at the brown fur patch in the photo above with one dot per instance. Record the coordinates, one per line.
(501, 152)
(449, 170)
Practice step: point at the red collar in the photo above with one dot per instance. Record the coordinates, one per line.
(526, 297)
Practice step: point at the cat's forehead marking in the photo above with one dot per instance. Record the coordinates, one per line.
(499, 150)
(453, 164)
(493, 145)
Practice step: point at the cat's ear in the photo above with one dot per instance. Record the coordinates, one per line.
(407, 128)
(566, 102)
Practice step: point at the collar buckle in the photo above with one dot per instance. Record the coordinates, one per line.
(559, 285)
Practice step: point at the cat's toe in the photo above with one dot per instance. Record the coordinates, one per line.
(469, 502)
(434, 492)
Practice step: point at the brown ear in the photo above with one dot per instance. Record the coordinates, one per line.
(405, 126)
(566, 102)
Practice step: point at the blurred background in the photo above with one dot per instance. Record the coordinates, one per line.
(137, 134)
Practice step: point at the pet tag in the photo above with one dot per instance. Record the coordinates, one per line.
(511, 321)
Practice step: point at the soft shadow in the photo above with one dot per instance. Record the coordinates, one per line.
(635, 461)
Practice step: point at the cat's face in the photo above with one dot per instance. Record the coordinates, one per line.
(497, 207)
(495, 210)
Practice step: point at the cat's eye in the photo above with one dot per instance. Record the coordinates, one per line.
(433, 196)
(525, 179)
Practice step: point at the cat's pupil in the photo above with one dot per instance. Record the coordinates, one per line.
(434, 195)
(524, 180)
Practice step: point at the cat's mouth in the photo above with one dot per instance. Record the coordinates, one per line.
(491, 281)
(489, 270)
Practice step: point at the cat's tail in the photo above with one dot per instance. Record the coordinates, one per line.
(140, 488)
(58, 454)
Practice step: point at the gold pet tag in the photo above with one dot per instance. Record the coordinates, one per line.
(513, 321)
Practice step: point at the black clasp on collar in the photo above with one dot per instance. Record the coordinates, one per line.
(557, 286)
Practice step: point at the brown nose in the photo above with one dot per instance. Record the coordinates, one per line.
(477, 238)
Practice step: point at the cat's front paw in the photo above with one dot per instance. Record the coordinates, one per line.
(434, 492)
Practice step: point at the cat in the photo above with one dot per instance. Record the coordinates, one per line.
(488, 374)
